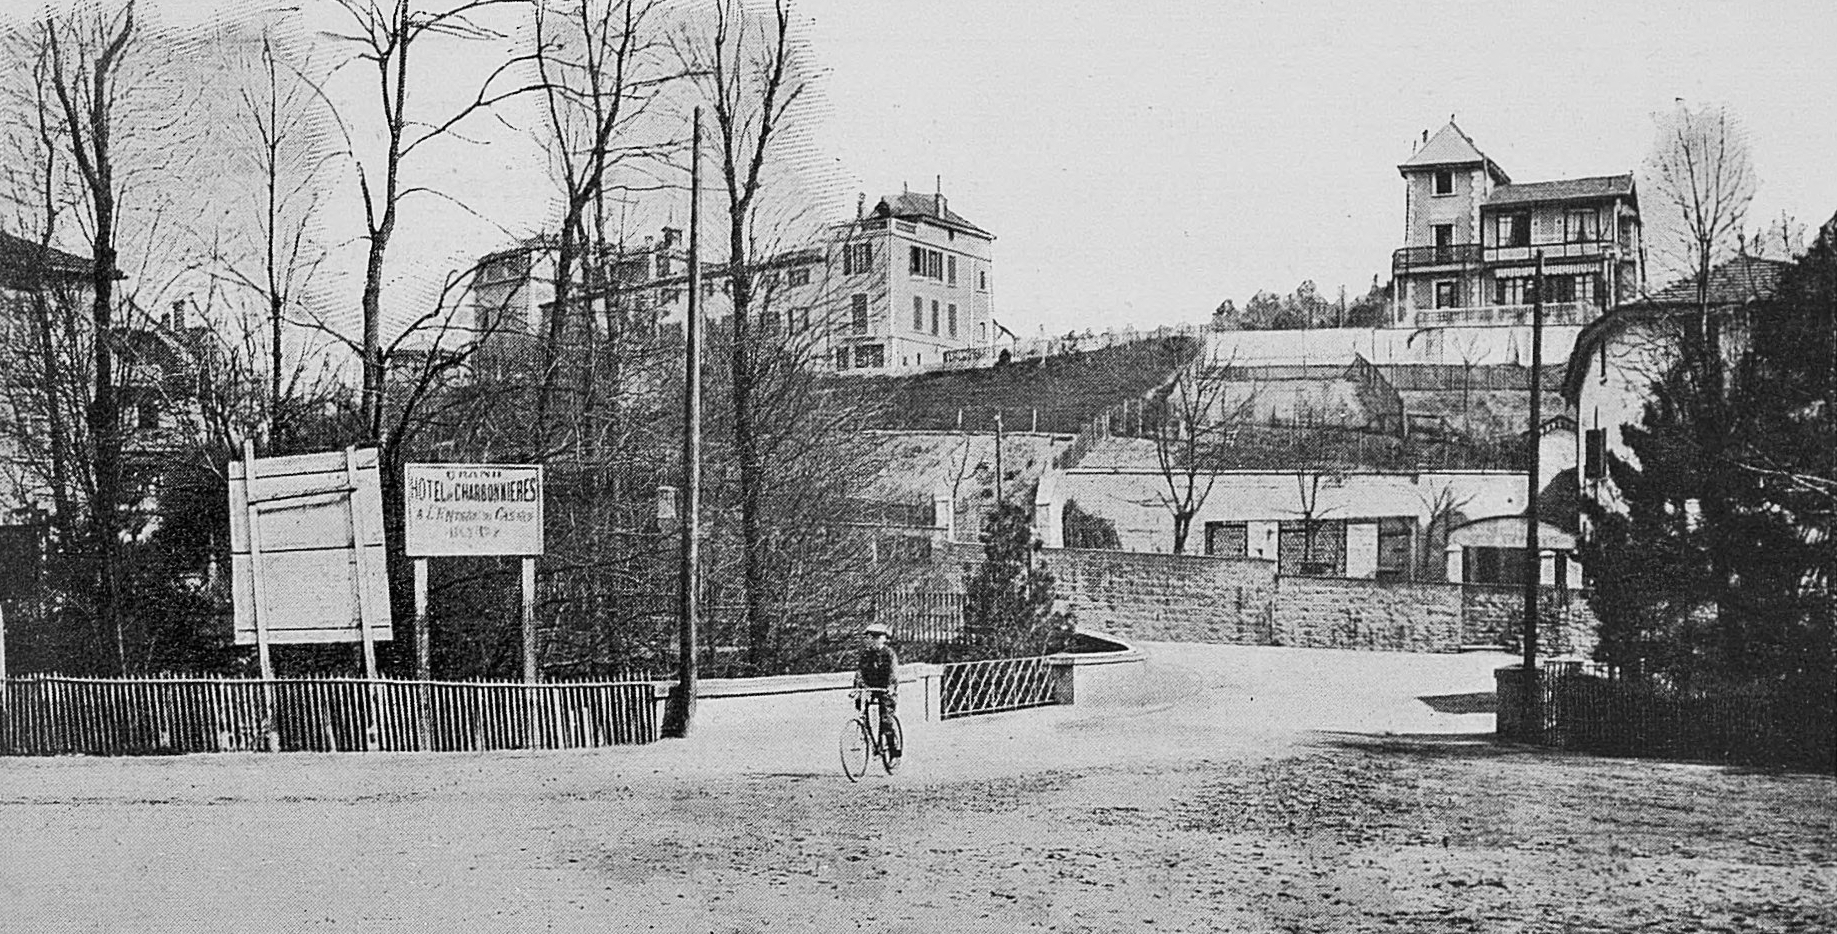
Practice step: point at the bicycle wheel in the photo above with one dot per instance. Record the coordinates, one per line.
(895, 738)
(855, 748)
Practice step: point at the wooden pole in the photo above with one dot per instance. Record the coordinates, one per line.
(258, 594)
(529, 619)
(681, 710)
(423, 657)
(360, 593)
(1531, 544)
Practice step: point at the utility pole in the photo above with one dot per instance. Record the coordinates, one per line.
(1532, 563)
(682, 701)
(998, 491)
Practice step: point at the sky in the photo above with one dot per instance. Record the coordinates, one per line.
(1140, 162)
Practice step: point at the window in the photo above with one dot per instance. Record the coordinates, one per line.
(146, 414)
(952, 274)
(982, 332)
(1394, 536)
(982, 280)
(800, 277)
(768, 322)
(918, 313)
(870, 356)
(953, 320)
(1444, 181)
(1444, 295)
(1601, 353)
(1323, 554)
(1444, 242)
(1512, 290)
(1512, 230)
(842, 358)
(1585, 288)
(1493, 565)
(858, 312)
(1227, 539)
(1581, 226)
(1594, 453)
(927, 263)
(856, 258)
(934, 317)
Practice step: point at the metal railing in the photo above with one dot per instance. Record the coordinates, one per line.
(1419, 257)
(969, 688)
(1554, 313)
(1552, 250)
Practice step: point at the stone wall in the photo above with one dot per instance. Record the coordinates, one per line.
(1494, 616)
(1324, 612)
(1165, 598)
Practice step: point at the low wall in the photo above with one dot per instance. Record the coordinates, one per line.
(1323, 612)
(1165, 598)
(1238, 601)
(1494, 616)
(1101, 670)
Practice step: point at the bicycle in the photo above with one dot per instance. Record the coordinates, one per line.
(862, 740)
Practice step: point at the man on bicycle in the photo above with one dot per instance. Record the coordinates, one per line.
(878, 669)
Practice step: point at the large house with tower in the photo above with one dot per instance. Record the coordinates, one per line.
(1472, 237)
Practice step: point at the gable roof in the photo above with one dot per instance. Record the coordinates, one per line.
(1567, 189)
(933, 208)
(1733, 282)
(1449, 147)
(18, 255)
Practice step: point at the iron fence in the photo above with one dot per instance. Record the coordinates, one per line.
(1598, 709)
(992, 686)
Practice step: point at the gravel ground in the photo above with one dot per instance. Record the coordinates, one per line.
(1243, 790)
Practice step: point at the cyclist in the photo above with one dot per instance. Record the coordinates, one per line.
(878, 669)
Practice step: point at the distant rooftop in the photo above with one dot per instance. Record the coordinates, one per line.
(18, 255)
(1734, 282)
(934, 208)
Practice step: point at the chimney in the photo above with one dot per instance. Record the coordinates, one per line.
(860, 203)
(176, 319)
(670, 236)
(938, 202)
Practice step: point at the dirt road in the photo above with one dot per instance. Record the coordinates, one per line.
(1243, 790)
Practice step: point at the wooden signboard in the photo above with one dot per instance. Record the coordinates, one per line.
(306, 549)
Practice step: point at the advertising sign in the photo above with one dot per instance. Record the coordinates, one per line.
(457, 510)
(314, 522)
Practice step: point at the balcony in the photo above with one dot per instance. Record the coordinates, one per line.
(1452, 256)
(1554, 313)
(1567, 250)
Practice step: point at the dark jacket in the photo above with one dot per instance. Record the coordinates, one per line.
(878, 668)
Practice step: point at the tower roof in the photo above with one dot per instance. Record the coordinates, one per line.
(1451, 147)
(933, 208)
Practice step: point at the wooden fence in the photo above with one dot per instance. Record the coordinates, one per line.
(996, 685)
(52, 715)
(1590, 707)
(932, 617)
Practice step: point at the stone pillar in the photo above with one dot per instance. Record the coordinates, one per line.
(1063, 678)
(1455, 570)
(1518, 700)
(944, 523)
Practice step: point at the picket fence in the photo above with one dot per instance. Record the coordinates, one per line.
(57, 715)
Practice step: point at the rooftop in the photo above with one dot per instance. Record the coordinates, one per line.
(934, 208)
(18, 255)
(1568, 189)
(1450, 146)
(1734, 282)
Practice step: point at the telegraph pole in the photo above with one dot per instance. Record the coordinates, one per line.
(682, 701)
(1531, 545)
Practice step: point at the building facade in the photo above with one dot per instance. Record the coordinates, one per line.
(1472, 237)
(903, 288)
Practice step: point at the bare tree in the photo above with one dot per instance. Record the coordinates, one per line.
(1701, 173)
(386, 34)
(599, 71)
(1197, 414)
(747, 69)
(1310, 480)
(1442, 504)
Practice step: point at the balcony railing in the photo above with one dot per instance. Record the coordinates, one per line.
(1575, 249)
(1554, 313)
(1469, 255)
(1454, 255)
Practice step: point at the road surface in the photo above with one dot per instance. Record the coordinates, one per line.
(1242, 789)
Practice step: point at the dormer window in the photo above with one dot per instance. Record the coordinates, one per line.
(1444, 181)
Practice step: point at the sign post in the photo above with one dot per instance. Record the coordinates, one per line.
(475, 510)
